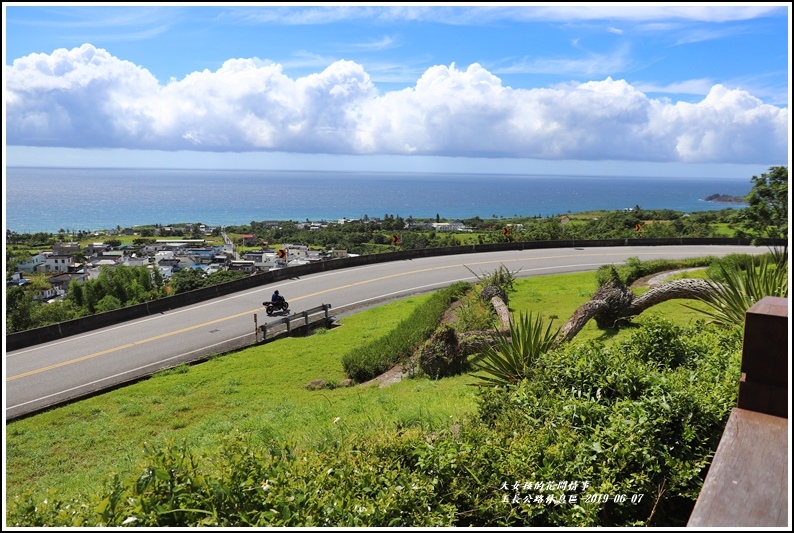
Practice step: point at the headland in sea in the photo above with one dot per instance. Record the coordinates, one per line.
(48, 199)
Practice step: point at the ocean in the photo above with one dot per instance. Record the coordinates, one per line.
(91, 199)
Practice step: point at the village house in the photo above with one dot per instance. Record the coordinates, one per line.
(97, 248)
(95, 267)
(66, 248)
(57, 263)
(249, 239)
(241, 265)
(262, 260)
(412, 224)
(60, 283)
(202, 255)
(36, 264)
(136, 261)
(16, 279)
(314, 256)
(296, 251)
(449, 226)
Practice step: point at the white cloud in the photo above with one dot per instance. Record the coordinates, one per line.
(593, 64)
(644, 11)
(475, 15)
(386, 42)
(87, 98)
(700, 86)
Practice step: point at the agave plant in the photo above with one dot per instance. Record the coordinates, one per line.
(511, 357)
(729, 300)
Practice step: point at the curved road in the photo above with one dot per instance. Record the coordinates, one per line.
(52, 373)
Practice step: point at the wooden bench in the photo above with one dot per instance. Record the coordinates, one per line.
(747, 484)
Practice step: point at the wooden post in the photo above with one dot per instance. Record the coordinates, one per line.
(764, 384)
(747, 481)
(256, 330)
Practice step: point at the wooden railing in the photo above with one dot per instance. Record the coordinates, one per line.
(747, 484)
(287, 325)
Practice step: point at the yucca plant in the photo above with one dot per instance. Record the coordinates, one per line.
(729, 300)
(512, 356)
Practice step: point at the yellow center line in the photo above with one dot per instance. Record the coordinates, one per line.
(124, 346)
(245, 313)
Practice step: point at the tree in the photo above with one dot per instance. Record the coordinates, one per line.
(187, 280)
(80, 258)
(19, 309)
(614, 303)
(767, 213)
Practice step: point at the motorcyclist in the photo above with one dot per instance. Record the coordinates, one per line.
(277, 299)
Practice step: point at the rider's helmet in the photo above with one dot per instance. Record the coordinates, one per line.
(276, 292)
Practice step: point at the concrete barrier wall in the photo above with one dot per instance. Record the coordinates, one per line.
(53, 332)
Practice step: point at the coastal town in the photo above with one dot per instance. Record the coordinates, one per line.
(208, 249)
(69, 261)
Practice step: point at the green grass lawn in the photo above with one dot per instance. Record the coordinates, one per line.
(261, 391)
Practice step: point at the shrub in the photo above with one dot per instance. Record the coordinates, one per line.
(593, 422)
(502, 278)
(368, 361)
(729, 263)
(440, 356)
(473, 315)
(635, 269)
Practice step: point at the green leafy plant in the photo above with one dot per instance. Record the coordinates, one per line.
(473, 315)
(511, 357)
(502, 277)
(367, 361)
(742, 288)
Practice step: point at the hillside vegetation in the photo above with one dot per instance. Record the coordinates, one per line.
(616, 428)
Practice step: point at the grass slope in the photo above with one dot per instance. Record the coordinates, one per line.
(261, 391)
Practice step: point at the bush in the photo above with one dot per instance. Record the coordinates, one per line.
(502, 278)
(440, 356)
(474, 315)
(635, 269)
(368, 361)
(594, 422)
(729, 263)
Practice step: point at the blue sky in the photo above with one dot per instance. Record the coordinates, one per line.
(660, 89)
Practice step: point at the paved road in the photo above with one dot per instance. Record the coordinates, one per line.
(52, 373)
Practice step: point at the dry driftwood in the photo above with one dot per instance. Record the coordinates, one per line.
(502, 312)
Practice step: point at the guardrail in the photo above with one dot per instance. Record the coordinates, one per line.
(31, 337)
(285, 325)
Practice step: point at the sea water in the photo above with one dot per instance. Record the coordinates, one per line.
(90, 199)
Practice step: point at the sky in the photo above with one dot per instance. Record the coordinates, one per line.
(604, 89)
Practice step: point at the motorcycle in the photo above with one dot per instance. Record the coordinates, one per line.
(276, 307)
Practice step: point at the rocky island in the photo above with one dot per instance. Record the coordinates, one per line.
(726, 199)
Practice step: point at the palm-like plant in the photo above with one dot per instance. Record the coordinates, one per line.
(729, 300)
(511, 357)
